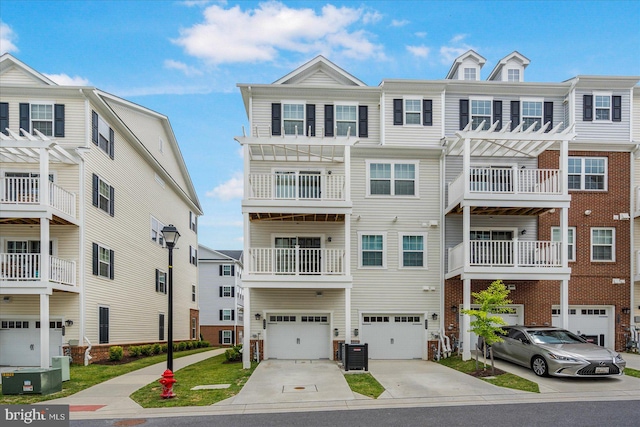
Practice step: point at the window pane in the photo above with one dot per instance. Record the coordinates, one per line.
(412, 259)
(346, 128)
(575, 165)
(594, 182)
(372, 259)
(293, 111)
(413, 119)
(602, 253)
(412, 243)
(372, 243)
(380, 170)
(405, 171)
(594, 165)
(381, 187)
(404, 188)
(346, 112)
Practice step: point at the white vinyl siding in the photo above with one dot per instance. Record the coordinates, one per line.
(606, 131)
(418, 136)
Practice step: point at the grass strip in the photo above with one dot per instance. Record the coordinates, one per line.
(630, 372)
(364, 384)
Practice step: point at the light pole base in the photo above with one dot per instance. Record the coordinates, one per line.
(167, 382)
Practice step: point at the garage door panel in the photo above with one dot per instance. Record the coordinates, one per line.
(298, 337)
(393, 337)
(593, 322)
(20, 342)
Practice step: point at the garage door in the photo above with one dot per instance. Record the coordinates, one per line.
(515, 318)
(594, 322)
(20, 342)
(393, 336)
(295, 336)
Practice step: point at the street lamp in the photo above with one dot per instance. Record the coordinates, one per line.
(170, 235)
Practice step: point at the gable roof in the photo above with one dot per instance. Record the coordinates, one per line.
(8, 63)
(322, 65)
(208, 254)
(468, 54)
(515, 55)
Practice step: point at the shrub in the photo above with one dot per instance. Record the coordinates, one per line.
(182, 346)
(156, 348)
(234, 353)
(135, 351)
(164, 348)
(147, 350)
(175, 346)
(190, 345)
(204, 343)
(115, 353)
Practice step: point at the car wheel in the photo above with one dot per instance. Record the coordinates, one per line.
(539, 366)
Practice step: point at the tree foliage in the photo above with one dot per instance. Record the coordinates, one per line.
(492, 301)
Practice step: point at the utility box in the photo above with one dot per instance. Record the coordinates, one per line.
(340, 351)
(356, 356)
(32, 381)
(62, 363)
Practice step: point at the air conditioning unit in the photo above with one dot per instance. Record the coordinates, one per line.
(625, 217)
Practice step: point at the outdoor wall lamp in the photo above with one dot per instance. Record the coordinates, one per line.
(356, 332)
(335, 332)
(68, 322)
(626, 310)
(258, 316)
(454, 309)
(434, 316)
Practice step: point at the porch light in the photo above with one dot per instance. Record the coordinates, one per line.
(454, 309)
(170, 235)
(258, 316)
(434, 316)
(356, 332)
(68, 322)
(335, 332)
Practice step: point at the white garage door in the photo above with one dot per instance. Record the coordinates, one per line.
(594, 322)
(295, 336)
(20, 342)
(515, 318)
(393, 336)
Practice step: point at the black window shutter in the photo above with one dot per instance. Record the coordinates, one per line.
(112, 141)
(195, 261)
(111, 264)
(233, 315)
(363, 121)
(4, 117)
(616, 112)
(233, 291)
(464, 113)
(94, 127)
(111, 200)
(24, 117)
(221, 290)
(497, 114)
(427, 112)
(276, 119)
(328, 120)
(548, 115)
(95, 259)
(221, 270)
(221, 316)
(397, 112)
(157, 280)
(58, 115)
(166, 284)
(310, 128)
(587, 108)
(515, 114)
(233, 338)
(233, 270)
(95, 189)
(219, 337)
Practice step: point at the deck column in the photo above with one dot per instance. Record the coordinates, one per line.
(246, 339)
(44, 330)
(465, 333)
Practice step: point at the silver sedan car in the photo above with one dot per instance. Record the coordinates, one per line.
(553, 351)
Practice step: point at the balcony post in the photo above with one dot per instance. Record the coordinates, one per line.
(43, 184)
(466, 167)
(466, 231)
(466, 320)
(246, 338)
(516, 179)
(347, 175)
(347, 315)
(516, 252)
(45, 261)
(296, 260)
(44, 330)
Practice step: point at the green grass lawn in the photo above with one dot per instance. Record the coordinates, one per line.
(83, 377)
(632, 372)
(210, 371)
(503, 380)
(364, 384)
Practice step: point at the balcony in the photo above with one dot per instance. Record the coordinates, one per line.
(297, 186)
(499, 258)
(23, 268)
(26, 192)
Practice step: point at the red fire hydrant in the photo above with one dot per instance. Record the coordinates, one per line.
(167, 382)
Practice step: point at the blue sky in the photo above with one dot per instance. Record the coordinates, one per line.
(184, 58)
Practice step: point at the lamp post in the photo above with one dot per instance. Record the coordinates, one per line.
(170, 235)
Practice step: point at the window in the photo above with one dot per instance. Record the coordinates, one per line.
(194, 327)
(42, 118)
(346, 117)
(102, 261)
(293, 119)
(587, 173)
(193, 222)
(392, 179)
(602, 107)
(103, 195)
(413, 111)
(156, 231)
(161, 327)
(470, 74)
(193, 293)
(226, 270)
(226, 337)
(161, 281)
(603, 244)
(102, 135)
(557, 237)
(513, 75)
(532, 113)
(412, 250)
(481, 111)
(193, 255)
(226, 314)
(227, 291)
(372, 250)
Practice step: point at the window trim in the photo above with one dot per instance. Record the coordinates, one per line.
(230, 337)
(406, 110)
(355, 121)
(301, 132)
(465, 74)
(53, 116)
(194, 293)
(515, 71)
(583, 174)
(99, 262)
(162, 281)
(159, 240)
(384, 250)
(613, 244)
(595, 107)
(393, 163)
(193, 256)
(540, 117)
(490, 115)
(224, 292)
(571, 257)
(401, 250)
(224, 314)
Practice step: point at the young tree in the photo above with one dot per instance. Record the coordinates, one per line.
(485, 323)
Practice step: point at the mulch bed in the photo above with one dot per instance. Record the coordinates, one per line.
(488, 372)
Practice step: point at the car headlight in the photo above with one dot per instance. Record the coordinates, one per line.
(564, 358)
(618, 359)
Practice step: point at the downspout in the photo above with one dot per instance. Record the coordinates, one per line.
(634, 267)
(81, 220)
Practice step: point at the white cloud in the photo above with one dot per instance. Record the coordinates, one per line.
(399, 23)
(448, 53)
(234, 35)
(421, 51)
(181, 66)
(458, 38)
(231, 189)
(421, 34)
(371, 17)
(7, 37)
(66, 80)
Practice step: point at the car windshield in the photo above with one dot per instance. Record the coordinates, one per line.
(554, 337)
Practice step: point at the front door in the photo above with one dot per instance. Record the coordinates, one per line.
(491, 247)
(298, 254)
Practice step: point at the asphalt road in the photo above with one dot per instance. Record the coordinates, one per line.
(583, 414)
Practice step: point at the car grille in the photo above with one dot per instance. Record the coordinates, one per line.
(591, 369)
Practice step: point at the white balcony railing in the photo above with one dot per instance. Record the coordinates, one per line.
(296, 261)
(507, 253)
(297, 186)
(638, 198)
(26, 190)
(26, 267)
(508, 180)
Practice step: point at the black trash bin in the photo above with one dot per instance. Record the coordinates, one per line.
(356, 356)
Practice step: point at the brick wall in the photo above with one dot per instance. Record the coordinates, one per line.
(211, 333)
(100, 352)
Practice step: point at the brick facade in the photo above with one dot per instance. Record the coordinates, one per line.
(211, 333)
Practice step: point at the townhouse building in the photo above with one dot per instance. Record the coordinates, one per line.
(635, 302)
(372, 213)
(87, 182)
(220, 296)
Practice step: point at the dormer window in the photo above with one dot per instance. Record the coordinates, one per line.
(513, 75)
(470, 74)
